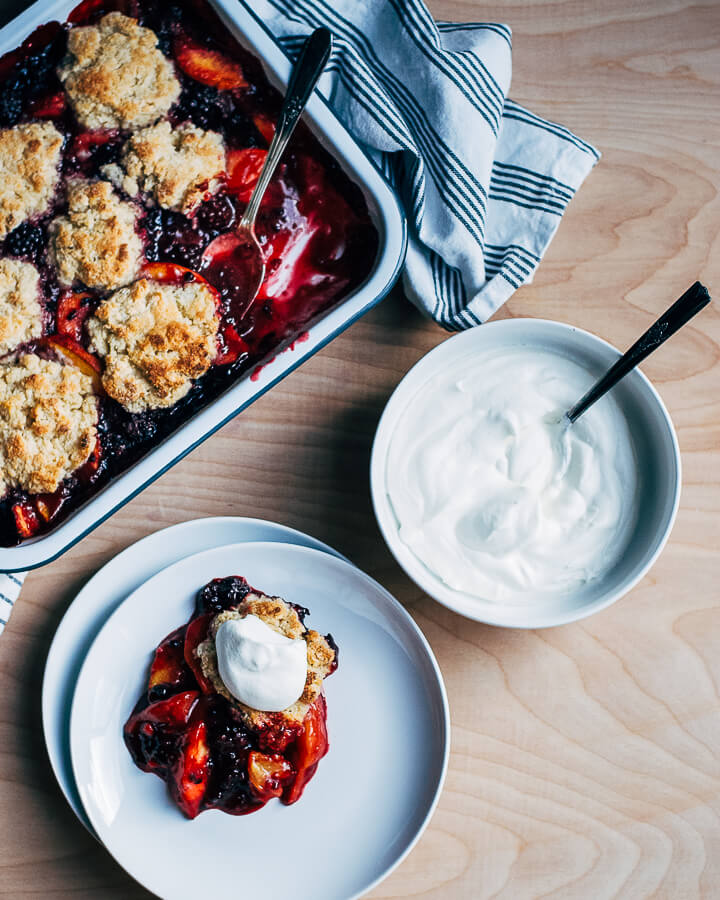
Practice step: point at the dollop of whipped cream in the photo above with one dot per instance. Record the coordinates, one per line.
(260, 667)
(493, 492)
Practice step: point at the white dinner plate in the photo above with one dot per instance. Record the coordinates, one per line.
(372, 795)
(105, 591)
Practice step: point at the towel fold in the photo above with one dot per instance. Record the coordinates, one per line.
(483, 181)
(10, 585)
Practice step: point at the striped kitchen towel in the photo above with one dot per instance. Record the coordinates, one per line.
(484, 182)
(10, 585)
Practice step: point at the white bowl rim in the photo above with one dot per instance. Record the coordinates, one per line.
(431, 584)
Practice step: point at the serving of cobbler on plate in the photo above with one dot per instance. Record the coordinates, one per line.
(131, 138)
(234, 713)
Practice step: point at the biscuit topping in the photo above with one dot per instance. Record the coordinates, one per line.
(177, 166)
(156, 339)
(115, 76)
(96, 242)
(259, 666)
(282, 618)
(20, 310)
(29, 158)
(48, 414)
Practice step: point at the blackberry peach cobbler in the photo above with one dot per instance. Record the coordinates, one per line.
(234, 712)
(131, 138)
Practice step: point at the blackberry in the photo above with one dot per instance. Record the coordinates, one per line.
(37, 69)
(203, 105)
(156, 747)
(221, 594)
(243, 131)
(158, 692)
(171, 237)
(230, 743)
(216, 216)
(29, 77)
(164, 41)
(8, 529)
(87, 156)
(188, 253)
(35, 72)
(104, 154)
(26, 240)
(114, 450)
(118, 431)
(12, 101)
(140, 428)
(113, 445)
(163, 22)
(123, 435)
(153, 223)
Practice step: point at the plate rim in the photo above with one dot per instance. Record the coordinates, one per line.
(399, 611)
(46, 711)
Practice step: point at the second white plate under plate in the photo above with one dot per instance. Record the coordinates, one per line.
(104, 592)
(372, 795)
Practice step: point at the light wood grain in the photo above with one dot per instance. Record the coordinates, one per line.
(584, 758)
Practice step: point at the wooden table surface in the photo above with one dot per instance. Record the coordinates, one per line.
(584, 758)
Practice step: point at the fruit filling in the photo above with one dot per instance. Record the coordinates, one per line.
(129, 189)
(213, 750)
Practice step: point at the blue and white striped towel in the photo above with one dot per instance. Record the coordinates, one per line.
(9, 589)
(484, 182)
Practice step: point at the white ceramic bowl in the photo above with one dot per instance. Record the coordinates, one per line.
(656, 448)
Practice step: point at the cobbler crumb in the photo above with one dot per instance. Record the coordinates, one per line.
(156, 339)
(48, 414)
(29, 160)
(21, 317)
(179, 167)
(115, 76)
(96, 243)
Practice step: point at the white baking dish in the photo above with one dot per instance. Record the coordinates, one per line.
(386, 216)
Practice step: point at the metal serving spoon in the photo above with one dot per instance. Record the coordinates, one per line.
(692, 301)
(247, 266)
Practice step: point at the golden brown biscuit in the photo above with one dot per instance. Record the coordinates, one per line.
(156, 339)
(20, 310)
(96, 242)
(48, 414)
(177, 166)
(115, 76)
(29, 159)
(283, 618)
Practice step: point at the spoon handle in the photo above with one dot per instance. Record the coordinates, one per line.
(305, 75)
(692, 301)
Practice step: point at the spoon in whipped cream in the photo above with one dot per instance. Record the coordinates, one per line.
(692, 301)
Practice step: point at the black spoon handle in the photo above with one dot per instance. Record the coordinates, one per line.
(692, 301)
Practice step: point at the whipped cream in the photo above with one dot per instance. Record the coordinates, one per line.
(260, 667)
(494, 494)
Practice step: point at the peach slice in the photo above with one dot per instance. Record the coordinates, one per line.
(208, 66)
